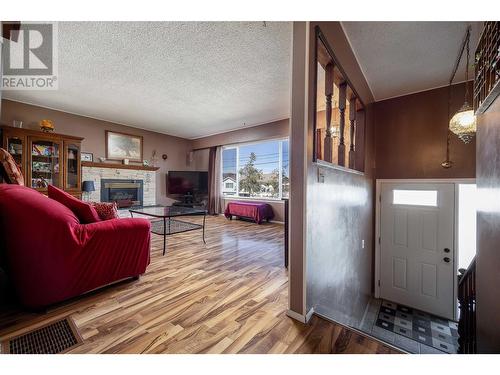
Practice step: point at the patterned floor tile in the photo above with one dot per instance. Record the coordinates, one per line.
(403, 331)
(383, 334)
(445, 347)
(383, 324)
(441, 328)
(425, 349)
(403, 323)
(415, 328)
(407, 344)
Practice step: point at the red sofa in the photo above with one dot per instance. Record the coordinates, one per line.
(51, 257)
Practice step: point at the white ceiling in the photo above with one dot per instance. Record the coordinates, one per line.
(193, 79)
(399, 58)
(188, 79)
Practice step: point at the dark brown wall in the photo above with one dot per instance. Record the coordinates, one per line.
(488, 230)
(410, 141)
(275, 129)
(94, 132)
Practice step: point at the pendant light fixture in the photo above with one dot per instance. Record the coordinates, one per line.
(463, 123)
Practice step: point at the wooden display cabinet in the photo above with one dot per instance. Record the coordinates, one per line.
(46, 158)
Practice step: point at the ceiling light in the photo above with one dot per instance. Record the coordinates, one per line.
(463, 123)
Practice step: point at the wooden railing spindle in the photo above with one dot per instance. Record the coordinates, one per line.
(342, 103)
(328, 112)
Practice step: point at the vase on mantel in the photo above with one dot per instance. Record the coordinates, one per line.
(154, 160)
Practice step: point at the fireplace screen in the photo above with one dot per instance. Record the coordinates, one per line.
(126, 193)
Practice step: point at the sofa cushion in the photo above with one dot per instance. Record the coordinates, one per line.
(11, 170)
(106, 210)
(84, 211)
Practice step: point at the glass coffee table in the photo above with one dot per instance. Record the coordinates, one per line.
(164, 224)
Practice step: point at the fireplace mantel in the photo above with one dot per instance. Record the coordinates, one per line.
(119, 166)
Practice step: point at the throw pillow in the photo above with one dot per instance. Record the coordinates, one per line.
(106, 210)
(83, 211)
(11, 170)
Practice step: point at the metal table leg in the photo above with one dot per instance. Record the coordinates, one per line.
(165, 234)
(204, 217)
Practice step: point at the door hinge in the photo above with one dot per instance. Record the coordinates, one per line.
(379, 240)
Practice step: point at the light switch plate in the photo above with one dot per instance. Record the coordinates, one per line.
(321, 176)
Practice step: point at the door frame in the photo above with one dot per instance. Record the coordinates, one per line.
(378, 188)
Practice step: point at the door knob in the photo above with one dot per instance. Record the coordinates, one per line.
(446, 259)
(446, 250)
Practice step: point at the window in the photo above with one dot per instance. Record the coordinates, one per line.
(415, 197)
(467, 207)
(256, 170)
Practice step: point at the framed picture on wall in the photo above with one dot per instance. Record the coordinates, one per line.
(87, 156)
(120, 146)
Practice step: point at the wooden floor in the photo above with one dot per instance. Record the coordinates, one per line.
(229, 296)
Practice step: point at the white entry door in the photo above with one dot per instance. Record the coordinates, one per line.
(417, 246)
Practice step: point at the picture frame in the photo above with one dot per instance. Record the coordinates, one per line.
(87, 156)
(120, 146)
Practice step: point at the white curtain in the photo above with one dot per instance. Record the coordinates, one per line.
(218, 181)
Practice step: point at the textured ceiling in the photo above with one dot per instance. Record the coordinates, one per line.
(188, 79)
(399, 58)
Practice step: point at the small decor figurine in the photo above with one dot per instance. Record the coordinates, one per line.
(154, 159)
(145, 163)
(47, 126)
(102, 159)
(125, 161)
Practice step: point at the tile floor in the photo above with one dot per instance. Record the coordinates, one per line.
(410, 329)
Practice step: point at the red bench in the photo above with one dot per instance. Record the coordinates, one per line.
(256, 211)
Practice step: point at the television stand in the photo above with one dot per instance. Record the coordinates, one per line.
(189, 204)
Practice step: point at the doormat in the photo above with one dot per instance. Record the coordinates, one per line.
(56, 337)
(417, 325)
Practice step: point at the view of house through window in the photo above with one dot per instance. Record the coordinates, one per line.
(257, 170)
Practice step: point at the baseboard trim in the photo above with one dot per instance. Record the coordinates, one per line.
(299, 317)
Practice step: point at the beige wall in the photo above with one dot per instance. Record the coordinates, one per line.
(275, 129)
(94, 132)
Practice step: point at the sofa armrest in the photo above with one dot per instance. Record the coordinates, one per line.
(116, 248)
(114, 234)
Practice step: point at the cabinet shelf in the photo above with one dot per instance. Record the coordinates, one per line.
(45, 158)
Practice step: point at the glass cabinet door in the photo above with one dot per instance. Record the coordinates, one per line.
(15, 146)
(45, 163)
(72, 157)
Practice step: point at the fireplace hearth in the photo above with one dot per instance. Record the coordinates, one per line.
(126, 193)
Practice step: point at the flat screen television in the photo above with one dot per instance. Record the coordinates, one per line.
(187, 182)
